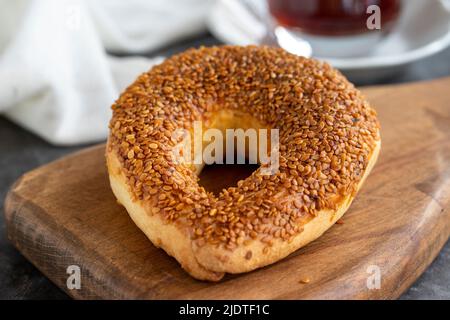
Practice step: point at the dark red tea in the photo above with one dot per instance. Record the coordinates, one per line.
(331, 17)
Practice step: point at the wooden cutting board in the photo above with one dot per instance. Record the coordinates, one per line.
(64, 214)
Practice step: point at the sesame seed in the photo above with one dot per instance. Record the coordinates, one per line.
(304, 280)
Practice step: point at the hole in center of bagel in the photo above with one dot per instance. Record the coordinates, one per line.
(216, 177)
(243, 142)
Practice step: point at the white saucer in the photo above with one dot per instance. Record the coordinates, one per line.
(422, 30)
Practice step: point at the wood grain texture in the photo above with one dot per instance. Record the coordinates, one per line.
(64, 213)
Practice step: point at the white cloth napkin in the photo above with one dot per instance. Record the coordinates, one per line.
(56, 78)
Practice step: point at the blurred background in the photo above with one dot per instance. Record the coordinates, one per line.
(64, 62)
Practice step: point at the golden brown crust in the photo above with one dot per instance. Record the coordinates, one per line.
(329, 138)
(175, 240)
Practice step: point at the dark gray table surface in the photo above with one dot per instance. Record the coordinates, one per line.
(21, 151)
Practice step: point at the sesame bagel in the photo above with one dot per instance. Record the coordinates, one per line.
(328, 143)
